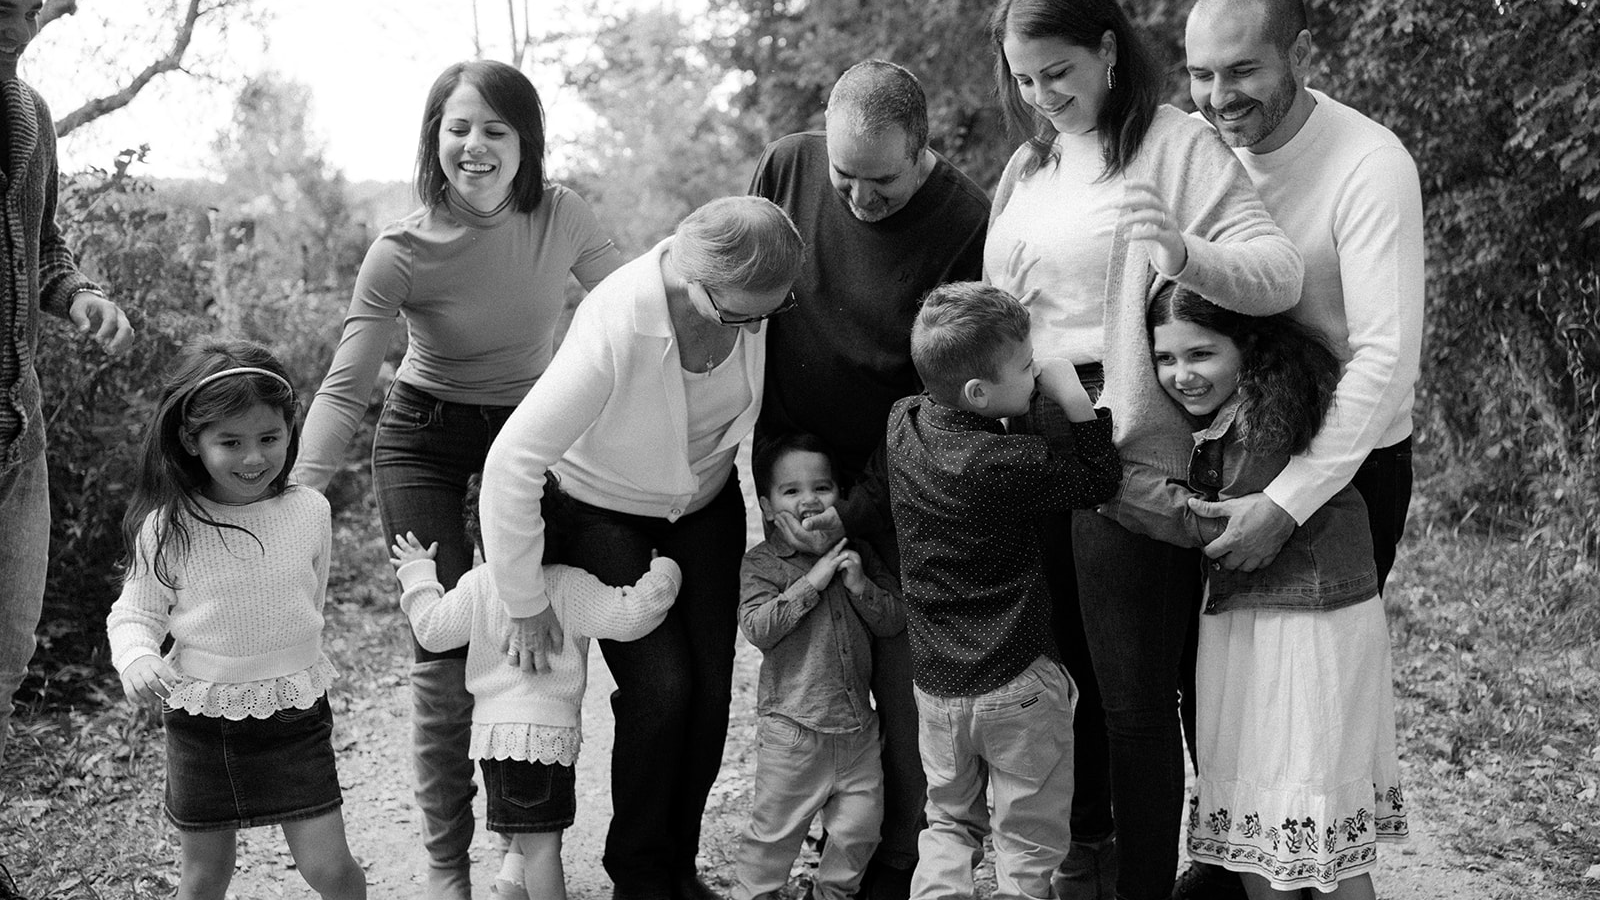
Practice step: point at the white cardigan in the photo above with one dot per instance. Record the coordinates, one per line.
(611, 409)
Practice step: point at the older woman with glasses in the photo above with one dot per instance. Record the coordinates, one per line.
(640, 414)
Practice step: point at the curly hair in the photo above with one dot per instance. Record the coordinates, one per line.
(1287, 373)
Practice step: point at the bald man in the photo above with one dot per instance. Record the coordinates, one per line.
(885, 219)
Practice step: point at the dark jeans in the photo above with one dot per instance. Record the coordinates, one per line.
(1384, 482)
(674, 685)
(423, 453)
(1139, 597)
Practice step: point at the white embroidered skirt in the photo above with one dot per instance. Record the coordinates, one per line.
(1298, 774)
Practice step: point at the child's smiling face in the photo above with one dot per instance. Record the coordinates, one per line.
(801, 484)
(1197, 367)
(242, 454)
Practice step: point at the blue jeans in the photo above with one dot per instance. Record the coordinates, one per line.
(422, 454)
(1139, 598)
(24, 553)
(674, 685)
(1016, 742)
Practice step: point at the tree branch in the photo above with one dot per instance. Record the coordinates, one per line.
(172, 61)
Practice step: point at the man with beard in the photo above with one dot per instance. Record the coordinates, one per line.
(885, 219)
(1346, 192)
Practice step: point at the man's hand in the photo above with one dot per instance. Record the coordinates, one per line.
(532, 639)
(91, 312)
(816, 535)
(1257, 529)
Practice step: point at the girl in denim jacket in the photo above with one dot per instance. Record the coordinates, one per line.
(1298, 778)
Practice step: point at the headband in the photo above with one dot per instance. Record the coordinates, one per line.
(238, 370)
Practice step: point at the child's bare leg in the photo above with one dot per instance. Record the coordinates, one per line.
(1257, 887)
(208, 858)
(542, 874)
(323, 857)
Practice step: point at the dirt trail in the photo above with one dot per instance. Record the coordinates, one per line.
(375, 767)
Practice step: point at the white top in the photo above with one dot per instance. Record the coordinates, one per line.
(1346, 192)
(246, 617)
(611, 416)
(533, 716)
(714, 400)
(1069, 257)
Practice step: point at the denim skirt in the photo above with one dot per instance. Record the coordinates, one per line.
(224, 774)
(528, 796)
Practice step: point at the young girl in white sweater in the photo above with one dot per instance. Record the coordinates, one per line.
(526, 725)
(231, 560)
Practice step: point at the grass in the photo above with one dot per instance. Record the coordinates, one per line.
(1497, 669)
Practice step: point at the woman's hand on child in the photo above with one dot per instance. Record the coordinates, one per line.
(148, 680)
(1058, 380)
(1014, 280)
(407, 548)
(533, 639)
(814, 535)
(1257, 528)
(1152, 223)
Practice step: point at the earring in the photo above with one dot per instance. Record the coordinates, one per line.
(1111, 77)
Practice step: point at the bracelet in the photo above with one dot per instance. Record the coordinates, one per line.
(91, 290)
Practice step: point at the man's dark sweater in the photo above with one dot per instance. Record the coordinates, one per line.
(838, 363)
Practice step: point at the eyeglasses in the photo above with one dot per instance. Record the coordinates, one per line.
(789, 302)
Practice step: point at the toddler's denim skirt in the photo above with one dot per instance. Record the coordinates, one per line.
(526, 797)
(223, 774)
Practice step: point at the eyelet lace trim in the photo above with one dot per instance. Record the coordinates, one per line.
(254, 699)
(548, 744)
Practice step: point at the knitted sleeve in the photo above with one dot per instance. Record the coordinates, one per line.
(440, 621)
(137, 623)
(589, 607)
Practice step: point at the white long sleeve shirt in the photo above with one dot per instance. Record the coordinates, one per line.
(1347, 193)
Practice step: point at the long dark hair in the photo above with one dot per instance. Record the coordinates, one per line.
(1287, 373)
(1130, 107)
(512, 96)
(169, 475)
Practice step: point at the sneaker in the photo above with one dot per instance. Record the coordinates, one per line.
(1204, 881)
(1089, 872)
(692, 887)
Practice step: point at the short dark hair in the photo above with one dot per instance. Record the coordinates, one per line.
(770, 453)
(875, 95)
(512, 96)
(553, 507)
(1281, 20)
(961, 333)
(1129, 109)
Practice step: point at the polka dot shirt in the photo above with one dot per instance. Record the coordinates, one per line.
(967, 499)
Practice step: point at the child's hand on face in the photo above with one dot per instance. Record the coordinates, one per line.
(408, 549)
(855, 579)
(148, 680)
(1058, 379)
(821, 574)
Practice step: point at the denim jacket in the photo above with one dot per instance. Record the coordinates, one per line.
(1326, 563)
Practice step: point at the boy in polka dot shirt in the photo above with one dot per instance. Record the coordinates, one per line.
(995, 702)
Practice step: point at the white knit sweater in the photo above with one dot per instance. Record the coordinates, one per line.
(246, 616)
(531, 715)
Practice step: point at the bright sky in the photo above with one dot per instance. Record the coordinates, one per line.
(368, 63)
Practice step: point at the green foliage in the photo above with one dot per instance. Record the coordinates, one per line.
(663, 145)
